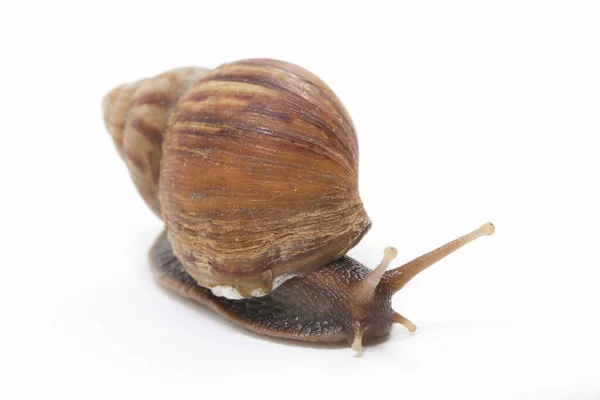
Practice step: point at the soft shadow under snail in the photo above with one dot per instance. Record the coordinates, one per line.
(253, 167)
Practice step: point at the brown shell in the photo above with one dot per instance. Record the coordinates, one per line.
(258, 176)
(136, 116)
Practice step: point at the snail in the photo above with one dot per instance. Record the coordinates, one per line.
(253, 168)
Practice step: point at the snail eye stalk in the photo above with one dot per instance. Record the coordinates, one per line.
(395, 279)
(366, 289)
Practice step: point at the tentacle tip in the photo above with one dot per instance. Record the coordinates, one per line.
(357, 345)
(357, 340)
(399, 319)
(487, 229)
(390, 253)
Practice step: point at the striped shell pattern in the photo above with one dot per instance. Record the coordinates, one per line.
(253, 167)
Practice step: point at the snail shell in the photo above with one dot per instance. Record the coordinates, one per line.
(136, 116)
(252, 166)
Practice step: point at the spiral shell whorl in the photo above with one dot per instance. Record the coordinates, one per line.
(136, 116)
(253, 167)
(259, 176)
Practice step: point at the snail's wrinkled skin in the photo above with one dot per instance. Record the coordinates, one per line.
(316, 308)
(342, 301)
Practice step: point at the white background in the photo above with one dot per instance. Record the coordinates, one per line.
(466, 111)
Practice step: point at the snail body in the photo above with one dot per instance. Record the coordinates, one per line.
(253, 167)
